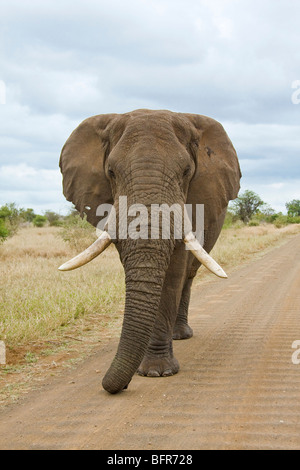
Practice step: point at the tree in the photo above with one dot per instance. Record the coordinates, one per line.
(27, 214)
(293, 208)
(247, 205)
(53, 218)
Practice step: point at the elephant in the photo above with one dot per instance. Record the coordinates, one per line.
(151, 157)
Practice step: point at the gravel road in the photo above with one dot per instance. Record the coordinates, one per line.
(237, 388)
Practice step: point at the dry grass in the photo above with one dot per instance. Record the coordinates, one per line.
(236, 246)
(38, 302)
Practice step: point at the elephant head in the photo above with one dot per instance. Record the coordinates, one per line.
(151, 157)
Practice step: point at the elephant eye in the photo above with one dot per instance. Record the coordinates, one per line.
(111, 173)
(187, 171)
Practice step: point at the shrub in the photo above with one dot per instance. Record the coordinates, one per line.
(54, 219)
(39, 221)
(78, 232)
(254, 223)
(10, 220)
(3, 231)
(27, 214)
(293, 220)
(230, 218)
(281, 220)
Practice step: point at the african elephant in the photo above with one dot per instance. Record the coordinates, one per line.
(152, 157)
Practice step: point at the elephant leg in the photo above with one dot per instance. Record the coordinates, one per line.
(159, 359)
(182, 330)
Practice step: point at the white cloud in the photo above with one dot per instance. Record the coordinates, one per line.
(39, 189)
(276, 185)
(275, 194)
(26, 177)
(235, 61)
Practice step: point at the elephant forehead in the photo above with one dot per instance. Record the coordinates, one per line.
(154, 135)
(150, 124)
(156, 130)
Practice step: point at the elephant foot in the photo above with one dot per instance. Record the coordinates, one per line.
(183, 331)
(158, 367)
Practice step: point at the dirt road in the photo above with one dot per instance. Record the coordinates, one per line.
(237, 388)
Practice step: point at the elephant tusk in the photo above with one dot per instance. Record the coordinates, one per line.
(87, 255)
(194, 246)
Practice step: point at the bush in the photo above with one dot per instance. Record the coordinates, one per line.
(10, 220)
(78, 232)
(281, 220)
(293, 220)
(254, 223)
(27, 215)
(39, 221)
(3, 231)
(54, 219)
(230, 218)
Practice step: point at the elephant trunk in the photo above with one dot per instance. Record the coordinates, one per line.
(145, 270)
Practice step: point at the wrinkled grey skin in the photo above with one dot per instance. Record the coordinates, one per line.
(152, 157)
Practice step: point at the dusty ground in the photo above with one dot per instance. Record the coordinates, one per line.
(237, 388)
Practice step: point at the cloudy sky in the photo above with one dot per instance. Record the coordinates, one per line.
(61, 61)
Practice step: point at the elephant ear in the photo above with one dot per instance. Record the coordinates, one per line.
(82, 166)
(217, 176)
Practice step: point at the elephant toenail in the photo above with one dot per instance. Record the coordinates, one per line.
(153, 373)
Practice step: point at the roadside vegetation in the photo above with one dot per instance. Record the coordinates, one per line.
(248, 209)
(42, 307)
